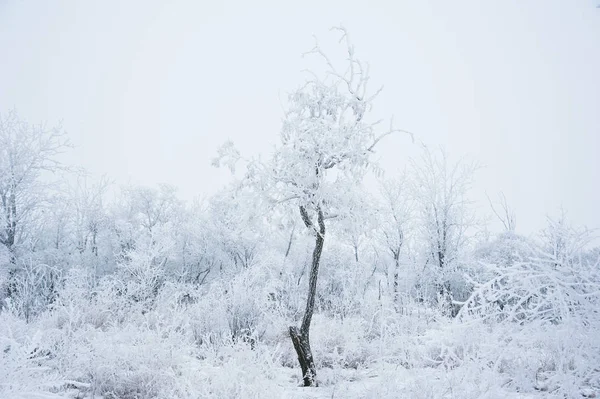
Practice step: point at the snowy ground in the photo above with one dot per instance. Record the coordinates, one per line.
(390, 381)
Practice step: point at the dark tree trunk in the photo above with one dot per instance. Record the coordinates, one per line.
(94, 244)
(396, 254)
(287, 251)
(307, 363)
(396, 276)
(289, 247)
(301, 337)
(11, 227)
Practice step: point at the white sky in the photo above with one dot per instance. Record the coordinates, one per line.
(148, 90)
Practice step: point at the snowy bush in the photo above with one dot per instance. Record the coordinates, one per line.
(541, 288)
(128, 362)
(32, 287)
(26, 362)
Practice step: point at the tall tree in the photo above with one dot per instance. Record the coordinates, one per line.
(396, 209)
(26, 151)
(440, 194)
(325, 151)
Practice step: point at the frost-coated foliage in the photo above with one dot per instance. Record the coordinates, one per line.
(228, 339)
(327, 140)
(146, 296)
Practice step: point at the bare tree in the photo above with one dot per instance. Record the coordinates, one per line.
(26, 151)
(396, 214)
(505, 213)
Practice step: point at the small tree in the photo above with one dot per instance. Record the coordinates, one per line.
(141, 213)
(360, 223)
(88, 215)
(564, 242)
(152, 207)
(325, 150)
(235, 227)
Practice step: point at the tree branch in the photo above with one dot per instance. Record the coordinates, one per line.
(306, 218)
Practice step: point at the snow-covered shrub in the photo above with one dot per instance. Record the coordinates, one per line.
(378, 333)
(540, 288)
(246, 301)
(26, 357)
(143, 270)
(241, 308)
(344, 281)
(83, 301)
(504, 250)
(236, 370)
(129, 361)
(538, 357)
(159, 362)
(340, 342)
(32, 287)
(73, 305)
(533, 323)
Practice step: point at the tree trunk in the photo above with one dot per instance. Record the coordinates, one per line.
(396, 277)
(94, 244)
(289, 247)
(300, 337)
(287, 252)
(11, 227)
(307, 363)
(396, 253)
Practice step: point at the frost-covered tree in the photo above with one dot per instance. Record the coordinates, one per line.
(88, 214)
(196, 254)
(358, 227)
(141, 213)
(235, 228)
(564, 242)
(396, 213)
(151, 207)
(326, 144)
(440, 194)
(26, 151)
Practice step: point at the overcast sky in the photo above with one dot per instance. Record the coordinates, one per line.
(148, 90)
